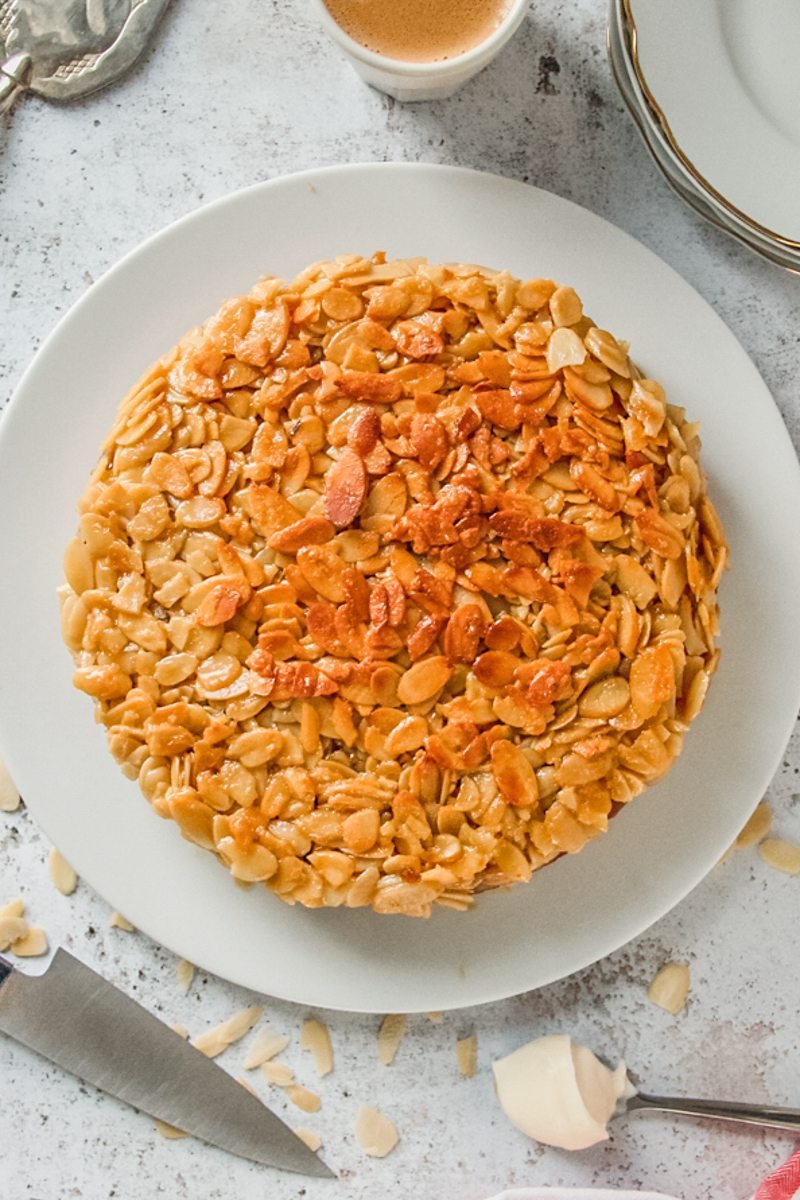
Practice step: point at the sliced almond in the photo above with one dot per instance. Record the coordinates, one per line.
(375, 1133)
(467, 1055)
(32, 945)
(311, 1139)
(248, 1087)
(184, 973)
(277, 1073)
(61, 873)
(303, 1098)
(117, 921)
(171, 1132)
(214, 1041)
(267, 1045)
(14, 908)
(315, 1037)
(756, 828)
(9, 796)
(181, 1030)
(783, 856)
(435, 1017)
(670, 987)
(12, 929)
(345, 488)
(390, 1035)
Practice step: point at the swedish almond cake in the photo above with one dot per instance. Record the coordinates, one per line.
(394, 582)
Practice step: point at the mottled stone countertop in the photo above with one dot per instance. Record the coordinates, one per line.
(239, 92)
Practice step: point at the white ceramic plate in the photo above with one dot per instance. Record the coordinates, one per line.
(577, 1194)
(724, 74)
(676, 172)
(580, 908)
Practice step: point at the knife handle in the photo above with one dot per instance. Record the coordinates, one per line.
(6, 970)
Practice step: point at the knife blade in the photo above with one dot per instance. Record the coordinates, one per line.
(80, 1021)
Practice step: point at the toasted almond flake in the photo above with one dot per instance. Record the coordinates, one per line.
(390, 1035)
(32, 945)
(171, 1132)
(756, 828)
(213, 1041)
(435, 1017)
(467, 1055)
(670, 987)
(9, 796)
(301, 1097)
(184, 972)
(248, 1087)
(277, 1073)
(375, 1133)
(12, 929)
(14, 908)
(311, 1139)
(315, 1037)
(267, 1045)
(783, 856)
(117, 921)
(181, 1030)
(61, 873)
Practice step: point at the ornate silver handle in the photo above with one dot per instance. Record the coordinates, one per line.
(765, 1115)
(14, 73)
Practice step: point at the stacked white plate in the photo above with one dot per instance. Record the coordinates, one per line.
(714, 87)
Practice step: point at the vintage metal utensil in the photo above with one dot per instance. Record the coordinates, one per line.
(766, 1116)
(81, 1022)
(65, 49)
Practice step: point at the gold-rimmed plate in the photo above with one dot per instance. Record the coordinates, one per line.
(721, 82)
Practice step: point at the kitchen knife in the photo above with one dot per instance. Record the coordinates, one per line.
(87, 1026)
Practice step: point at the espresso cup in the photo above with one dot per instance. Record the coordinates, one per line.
(421, 80)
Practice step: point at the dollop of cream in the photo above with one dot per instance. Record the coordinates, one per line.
(559, 1093)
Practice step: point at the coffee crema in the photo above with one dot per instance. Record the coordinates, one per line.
(420, 31)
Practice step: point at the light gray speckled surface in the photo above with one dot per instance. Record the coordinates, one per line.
(224, 100)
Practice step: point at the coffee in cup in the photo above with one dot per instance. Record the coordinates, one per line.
(419, 31)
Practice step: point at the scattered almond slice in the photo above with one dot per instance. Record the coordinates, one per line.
(783, 856)
(375, 1133)
(32, 945)
(171, 1132)
(277, 1073)
(9, 796)
(117, 921)
(435, 1018)
(467, 1055)
(14, 908)
(184, 972)
(756, 828)
(307, 1100)
(670, 987)
(315, 1037)
(311, 1139)
(12, 929)
(181, 1030)
(390, 1035)
(267, 1045)
(61, 873)
(248, 1087)
(214, 1041)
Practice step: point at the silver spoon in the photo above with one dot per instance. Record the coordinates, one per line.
(764, 1115)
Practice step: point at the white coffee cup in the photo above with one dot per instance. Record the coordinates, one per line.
(426, 80)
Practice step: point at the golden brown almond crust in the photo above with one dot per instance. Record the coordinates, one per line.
(394, 581)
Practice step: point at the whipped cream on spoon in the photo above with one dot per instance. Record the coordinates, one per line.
(561, 1094)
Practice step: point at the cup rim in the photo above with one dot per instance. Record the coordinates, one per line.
(417, 70)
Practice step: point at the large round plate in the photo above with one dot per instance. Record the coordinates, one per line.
(722, 79)
(580, 908)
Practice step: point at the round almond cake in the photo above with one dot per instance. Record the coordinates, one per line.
(394, 582)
